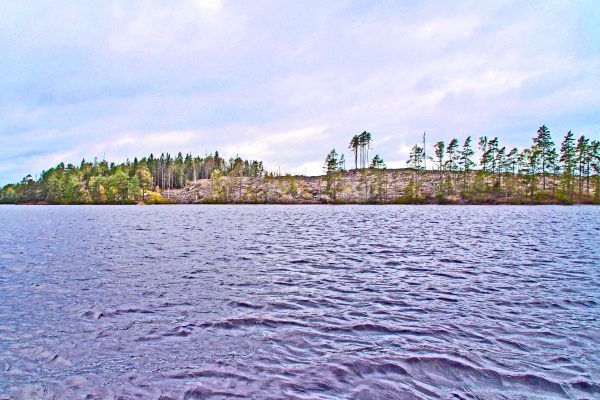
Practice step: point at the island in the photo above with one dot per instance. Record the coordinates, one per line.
(539, 174)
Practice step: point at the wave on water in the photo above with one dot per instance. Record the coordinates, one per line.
(300, 303)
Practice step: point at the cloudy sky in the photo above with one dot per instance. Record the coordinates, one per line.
(285, 81)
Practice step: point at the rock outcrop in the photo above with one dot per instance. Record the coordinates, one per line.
(354, 187)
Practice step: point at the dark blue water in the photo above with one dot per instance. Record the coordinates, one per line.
(299, 302)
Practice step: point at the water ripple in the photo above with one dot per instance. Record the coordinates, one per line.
(299, 302)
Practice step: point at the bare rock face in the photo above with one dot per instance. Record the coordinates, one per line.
(403, 186)
(351, 187)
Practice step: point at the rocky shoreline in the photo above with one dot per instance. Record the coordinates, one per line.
(394, 186)
(367, 186)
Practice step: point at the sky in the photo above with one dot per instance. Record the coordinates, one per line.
(286, 81)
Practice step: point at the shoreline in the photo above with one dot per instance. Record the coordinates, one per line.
(307, 204)
(357, 187)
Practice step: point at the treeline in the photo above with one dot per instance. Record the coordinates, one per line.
(373, 179)
(451, 173)
(541, 173)
(101, 182)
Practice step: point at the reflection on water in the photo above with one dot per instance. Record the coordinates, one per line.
(299, 302)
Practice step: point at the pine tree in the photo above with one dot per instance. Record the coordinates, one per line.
(466, 162)
(453, 156)
(120, 184)
(569, 161)
(595, 165)
(331, 162)
(491, 153)
(500, 161)
(439, 150)
(415, 161)
(377, 162)
(380, 182)
(145, 180)
(133, 188)
(354, 145)
(54, 190)
(581, 154)
(483, 143)
(544, 145)
(531, 158)
(512, 160)
(364, 142)
(332, 168)
(554, 167)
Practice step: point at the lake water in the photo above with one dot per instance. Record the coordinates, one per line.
(300, 302)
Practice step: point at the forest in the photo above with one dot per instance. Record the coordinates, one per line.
(544, 173)
(100, 182)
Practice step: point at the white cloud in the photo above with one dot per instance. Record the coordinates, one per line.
(310, 168)
(286, 82)
(211, 5)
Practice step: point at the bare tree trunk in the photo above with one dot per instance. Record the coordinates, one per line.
(588, 178)
(544, 173)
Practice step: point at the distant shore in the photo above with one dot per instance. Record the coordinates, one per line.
(390, 186)
(540, 174)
